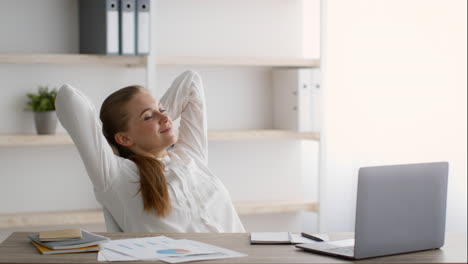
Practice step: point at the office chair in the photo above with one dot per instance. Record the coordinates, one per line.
(111, 224)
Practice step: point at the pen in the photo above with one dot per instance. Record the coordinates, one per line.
(312, 237)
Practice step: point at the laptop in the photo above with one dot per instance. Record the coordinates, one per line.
(399, 209)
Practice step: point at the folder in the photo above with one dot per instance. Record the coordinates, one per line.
(127, 27)
(296, 99)
(99, 27)
(143, 25)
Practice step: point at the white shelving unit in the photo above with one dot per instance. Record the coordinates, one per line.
(86, 216)
(95, 216)
(149, 63)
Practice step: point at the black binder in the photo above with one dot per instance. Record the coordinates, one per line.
(99, 26)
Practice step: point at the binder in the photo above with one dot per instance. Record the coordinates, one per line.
(296, 99)
(315, 79)
(99, 27)
(127, 27)
(143, 25)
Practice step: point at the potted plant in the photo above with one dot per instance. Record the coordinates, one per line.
(43, 106)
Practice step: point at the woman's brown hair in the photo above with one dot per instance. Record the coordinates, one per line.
(114, 118)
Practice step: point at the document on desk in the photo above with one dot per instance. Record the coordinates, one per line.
(219, 253)
(109, 255)
(162, 248)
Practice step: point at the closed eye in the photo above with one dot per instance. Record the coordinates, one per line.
(150, 117)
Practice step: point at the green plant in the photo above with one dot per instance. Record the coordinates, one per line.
(43, 101)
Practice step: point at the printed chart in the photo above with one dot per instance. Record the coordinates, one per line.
(162, 248)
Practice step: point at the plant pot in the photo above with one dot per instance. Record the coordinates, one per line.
(46, 122)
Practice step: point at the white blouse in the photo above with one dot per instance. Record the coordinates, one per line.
(200, 202)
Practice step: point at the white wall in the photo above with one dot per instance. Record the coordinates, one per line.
(46, 26)
(396, 91)
(229, 28)
(39, 178)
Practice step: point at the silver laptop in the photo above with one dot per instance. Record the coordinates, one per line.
(399, 209)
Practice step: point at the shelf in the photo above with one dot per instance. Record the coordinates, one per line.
(130, 61)
(95, 216)
(215, 135)
(141, 61)
(274, 207)
(264, 134)
(35, 140)
(239, 61)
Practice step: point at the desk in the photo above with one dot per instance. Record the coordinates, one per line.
(18, 249)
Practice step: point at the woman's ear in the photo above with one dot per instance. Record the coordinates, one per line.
(123, 139)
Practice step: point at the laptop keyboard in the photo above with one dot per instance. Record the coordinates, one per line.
(347, 251)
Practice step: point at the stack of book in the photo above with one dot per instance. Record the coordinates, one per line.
(67, 241)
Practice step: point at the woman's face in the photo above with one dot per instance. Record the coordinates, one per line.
(149, 127)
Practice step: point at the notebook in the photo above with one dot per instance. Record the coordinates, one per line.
(89, 239)
(59, 235)
(271, 238)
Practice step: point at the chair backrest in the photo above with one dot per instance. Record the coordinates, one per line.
(111, 224)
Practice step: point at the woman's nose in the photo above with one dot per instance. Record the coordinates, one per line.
(163, 119)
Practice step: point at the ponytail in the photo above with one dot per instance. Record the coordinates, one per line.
(153, 185)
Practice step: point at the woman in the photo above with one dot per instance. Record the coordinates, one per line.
(148, 188)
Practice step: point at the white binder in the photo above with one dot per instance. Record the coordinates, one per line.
(296, 99)
(143, 23)
(127, 27)
(112, 27)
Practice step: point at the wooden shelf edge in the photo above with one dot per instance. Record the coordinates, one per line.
(213, 135)
(95, 216)
(92, 216)
(238, 61)
(131, 61)
(260, 134)
(274, 207)
(35, 140)
(51, 58)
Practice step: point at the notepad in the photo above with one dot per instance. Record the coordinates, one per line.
(272, 238)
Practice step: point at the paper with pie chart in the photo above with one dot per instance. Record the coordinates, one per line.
(156, 248)
(221, 253)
